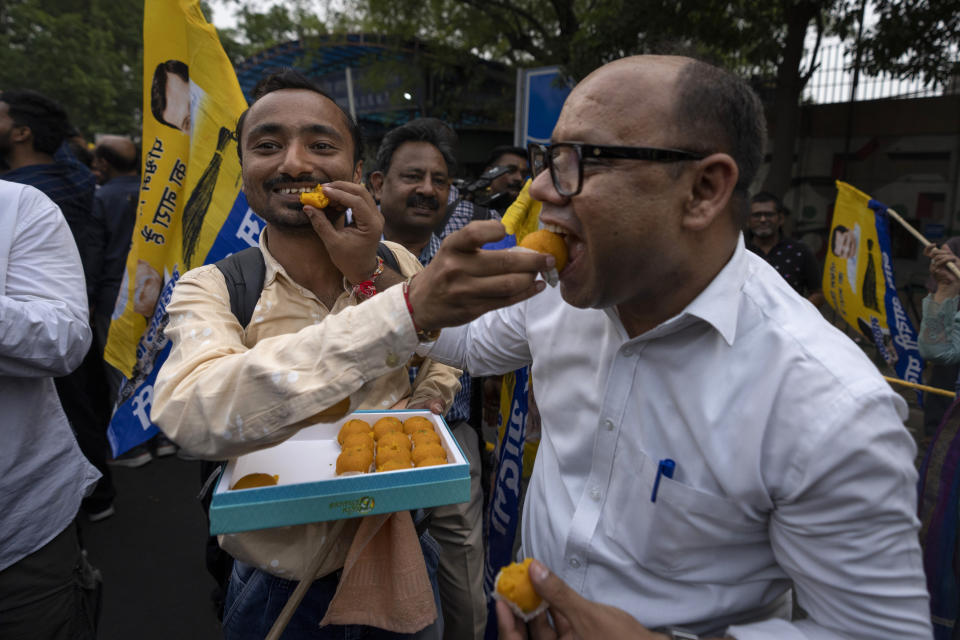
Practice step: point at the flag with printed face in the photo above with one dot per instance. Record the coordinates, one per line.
(858, 280)
(191, 209)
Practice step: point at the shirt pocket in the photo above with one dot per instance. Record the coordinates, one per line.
(687, 529)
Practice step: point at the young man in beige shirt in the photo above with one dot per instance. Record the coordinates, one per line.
(311, 350)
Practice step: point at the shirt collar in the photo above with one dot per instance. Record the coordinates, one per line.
(718, 304)
(273, 267)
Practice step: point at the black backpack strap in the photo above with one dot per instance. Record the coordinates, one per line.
(388, 258)
(244, 273)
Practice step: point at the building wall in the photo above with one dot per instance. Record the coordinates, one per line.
(905, 153)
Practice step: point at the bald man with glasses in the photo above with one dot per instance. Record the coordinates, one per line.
(709, 443)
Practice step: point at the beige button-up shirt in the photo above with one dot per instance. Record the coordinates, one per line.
(225, 391)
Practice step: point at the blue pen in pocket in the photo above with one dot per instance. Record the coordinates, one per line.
(665, 468)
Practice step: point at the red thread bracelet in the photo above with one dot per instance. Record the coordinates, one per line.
(406, 298)
(422, 335)
(367, 288)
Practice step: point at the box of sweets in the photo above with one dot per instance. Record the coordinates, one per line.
(308, 488)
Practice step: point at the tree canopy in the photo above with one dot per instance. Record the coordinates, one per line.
(915, 39)
(85, 54)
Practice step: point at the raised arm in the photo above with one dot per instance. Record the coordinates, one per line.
(217, 398)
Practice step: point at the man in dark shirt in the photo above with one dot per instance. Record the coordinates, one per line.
(33, 133)
(116, 163)
(791, 258)
(33, 130)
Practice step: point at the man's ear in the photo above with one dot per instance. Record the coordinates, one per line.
(21, 133)
(711, 190)
(376, 181)
(358, 172)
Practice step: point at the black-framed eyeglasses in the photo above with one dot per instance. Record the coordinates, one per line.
(565, 160)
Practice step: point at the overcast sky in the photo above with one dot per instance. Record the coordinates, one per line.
(225, 12)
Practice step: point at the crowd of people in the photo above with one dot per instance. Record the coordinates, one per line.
(672, 342)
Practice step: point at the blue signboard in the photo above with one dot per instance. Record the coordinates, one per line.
(541, 93)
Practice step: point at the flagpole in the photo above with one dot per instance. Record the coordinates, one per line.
(920, 387)
(923, 240)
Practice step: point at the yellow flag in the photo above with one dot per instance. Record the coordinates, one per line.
(189, 190)
(858, 280)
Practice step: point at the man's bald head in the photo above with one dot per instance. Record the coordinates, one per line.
(115, 156)
(700, 107)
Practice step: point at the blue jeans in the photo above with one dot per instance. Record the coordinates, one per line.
(255, 598)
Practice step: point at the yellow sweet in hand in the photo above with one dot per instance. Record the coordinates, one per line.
(513, 583)
(543, 241)
(316, 198)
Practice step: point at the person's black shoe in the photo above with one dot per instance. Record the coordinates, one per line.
(135, 457)
(164, 446)
(97, 510)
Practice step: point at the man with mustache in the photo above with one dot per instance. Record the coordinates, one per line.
(412, 183)
(331, 333)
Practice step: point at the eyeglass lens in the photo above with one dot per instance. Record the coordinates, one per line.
(566, 168)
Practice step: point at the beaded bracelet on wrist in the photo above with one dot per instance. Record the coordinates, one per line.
(367, 288)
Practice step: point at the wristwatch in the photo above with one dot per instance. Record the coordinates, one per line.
(676, 633)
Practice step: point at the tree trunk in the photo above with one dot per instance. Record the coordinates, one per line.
(786, 103)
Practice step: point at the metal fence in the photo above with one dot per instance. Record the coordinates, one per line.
(833, 80)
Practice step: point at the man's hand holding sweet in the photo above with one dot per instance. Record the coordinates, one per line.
(464, 281)
(575, 617)
(353, 249)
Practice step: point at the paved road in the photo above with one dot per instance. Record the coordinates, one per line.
(151, 555)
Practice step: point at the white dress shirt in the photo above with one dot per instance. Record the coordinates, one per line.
(792, 462)
(43, 333)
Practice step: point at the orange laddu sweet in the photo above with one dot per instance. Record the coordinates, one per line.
(354, 426)
(544, 241)
(417, 423)
(513, 583)
(253, 480)
(386, 425)
(316, 198)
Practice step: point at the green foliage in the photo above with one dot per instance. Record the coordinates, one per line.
(915, 39)
(87, 55)
(580, 35)
(256, 31)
